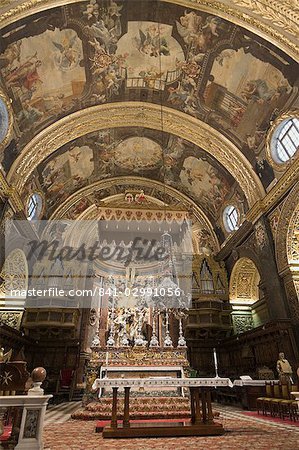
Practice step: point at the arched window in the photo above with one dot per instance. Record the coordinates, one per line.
(231, 218)
(34, 206)
(285, 140)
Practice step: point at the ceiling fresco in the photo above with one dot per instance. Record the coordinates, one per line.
(79, 55)
(69, 58)
(136, 152)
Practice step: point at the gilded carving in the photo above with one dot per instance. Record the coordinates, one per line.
(140, 357)
(14, 273)
(274, 219)
(136, 114)
(291, 287)
(260, 235)
(293, 238)
(6, 116)
(6, 191)
(281, 187)
(290, 205)
(244, 281)
(283, 15)
(242, 323)
(11, 318)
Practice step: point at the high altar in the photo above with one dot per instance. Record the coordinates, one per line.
(143, 301)
(148, 360)
(144, 359)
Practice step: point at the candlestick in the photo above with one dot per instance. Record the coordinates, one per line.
(215, 362)
(167, 340)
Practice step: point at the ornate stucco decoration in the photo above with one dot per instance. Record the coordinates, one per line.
(282, 15)
(290, 176)
(126, 114)
(6, 120)
(260, 235)
(293, 239)
(15, 275)
(10, 318)
(276, 22)
(242, 323)
(286, 226)
(280, 167)
(7, 191)
(273, 220)
(244, 282)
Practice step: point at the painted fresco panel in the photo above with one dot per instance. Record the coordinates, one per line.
(96, 52)
(112, 153)
(44, 74)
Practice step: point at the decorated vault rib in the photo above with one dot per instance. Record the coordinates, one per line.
(128, 115)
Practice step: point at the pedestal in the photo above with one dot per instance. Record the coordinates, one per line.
(33, 414)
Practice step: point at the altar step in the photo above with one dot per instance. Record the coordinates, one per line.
(140, 408)
(77, 395)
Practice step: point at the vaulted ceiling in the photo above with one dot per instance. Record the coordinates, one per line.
(181, 93)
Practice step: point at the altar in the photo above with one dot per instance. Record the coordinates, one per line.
(142, 372)
(137, 362)
(202, 419)
(153, 402)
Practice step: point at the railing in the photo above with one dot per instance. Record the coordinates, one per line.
(22, 415)
(32, 419)
(148, 82)
(231, 105)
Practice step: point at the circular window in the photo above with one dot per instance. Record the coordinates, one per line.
(231, 218)
(285, 140)
(34, 206)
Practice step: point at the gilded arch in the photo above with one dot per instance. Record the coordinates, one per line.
(127, 114)
(201, 220)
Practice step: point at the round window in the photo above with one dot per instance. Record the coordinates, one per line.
(34, 206)
(231, 218)
(285, 140)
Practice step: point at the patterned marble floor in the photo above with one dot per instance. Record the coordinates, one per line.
(242, 433)
(60, 413)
